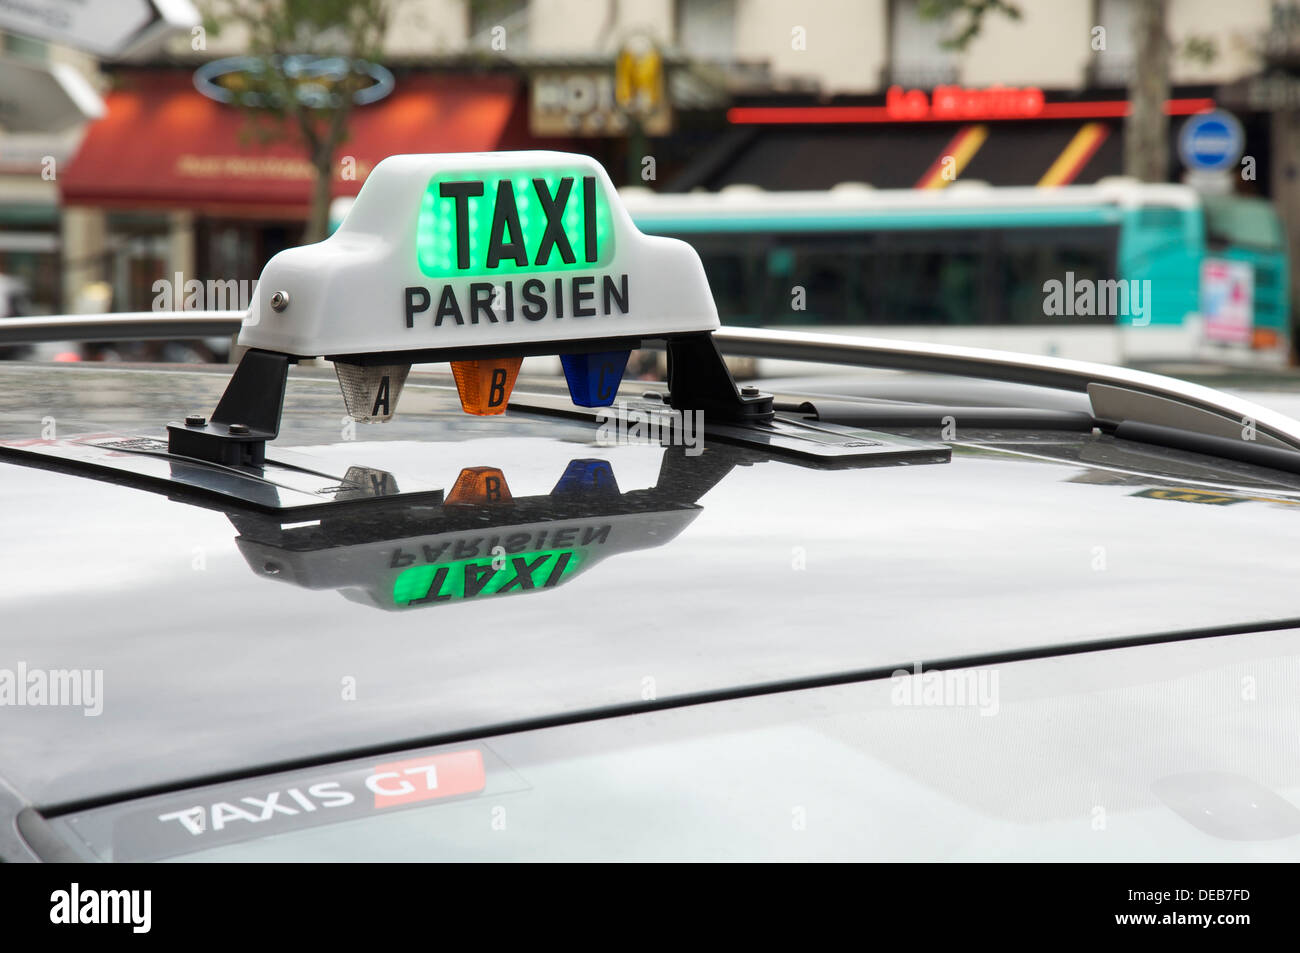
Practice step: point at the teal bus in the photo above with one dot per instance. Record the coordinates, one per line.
(1118, 272)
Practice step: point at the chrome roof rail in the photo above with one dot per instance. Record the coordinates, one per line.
(122, 326)
(1118, 394)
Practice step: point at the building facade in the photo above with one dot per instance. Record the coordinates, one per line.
(761, 92)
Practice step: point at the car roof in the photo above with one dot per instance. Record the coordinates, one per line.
(733, 569)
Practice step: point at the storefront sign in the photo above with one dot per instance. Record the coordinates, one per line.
(239, 80)
(585, 102)
(961, 103)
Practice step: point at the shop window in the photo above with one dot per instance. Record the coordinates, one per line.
(1113, 66)
(917, 57)
(706, 29)
(486, 16)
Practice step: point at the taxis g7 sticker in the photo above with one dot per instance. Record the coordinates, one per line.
(179, 824)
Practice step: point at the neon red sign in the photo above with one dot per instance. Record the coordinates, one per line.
(959, 102)
(912, 109)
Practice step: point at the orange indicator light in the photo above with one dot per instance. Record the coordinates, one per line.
(477, 485)
(485, 386)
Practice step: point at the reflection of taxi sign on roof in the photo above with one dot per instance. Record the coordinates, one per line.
(482, 541)
(480, 259)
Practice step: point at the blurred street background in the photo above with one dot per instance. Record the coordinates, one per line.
(1110, 180)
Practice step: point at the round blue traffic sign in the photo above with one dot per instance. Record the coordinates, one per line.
(1211, 142)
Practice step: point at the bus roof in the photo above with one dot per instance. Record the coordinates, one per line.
(855, 197)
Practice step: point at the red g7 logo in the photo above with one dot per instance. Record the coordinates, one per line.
(424, 779)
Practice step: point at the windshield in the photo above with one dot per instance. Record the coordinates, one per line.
(934, 765)
(1242, 221)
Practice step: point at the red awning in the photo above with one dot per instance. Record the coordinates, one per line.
(165, 145)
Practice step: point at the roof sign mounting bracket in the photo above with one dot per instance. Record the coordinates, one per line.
(698, 379)
(247, 416)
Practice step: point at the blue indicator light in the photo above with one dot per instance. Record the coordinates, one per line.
(587, 477)
(594, 378)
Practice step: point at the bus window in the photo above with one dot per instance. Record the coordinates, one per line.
(919, 286)
(928, 278)
(813, 279)
(1029, 258)
(864, 278)
(737, 271)
(950, 277)
(1161, 217)
(785, 279)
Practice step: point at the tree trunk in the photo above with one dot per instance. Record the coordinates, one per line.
(1146, 132)
(318, 220)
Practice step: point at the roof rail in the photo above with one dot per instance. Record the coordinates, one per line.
(1118, 395)
(121, 326)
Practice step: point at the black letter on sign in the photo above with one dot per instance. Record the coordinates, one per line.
(497, 389)
(581, 296)
(523, 573)
(603, 389)
(417, 300)
(535, 309)
(558, 571)
(476, 578)
(616, 293)
(448, 307)
(461, 192)
(480, 300)
(505, 218)
(435, 589)
(589, 214)
(381, 397)
(554, 209)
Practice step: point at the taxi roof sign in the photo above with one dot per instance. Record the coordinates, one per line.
(494, 251)
(478, 259)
